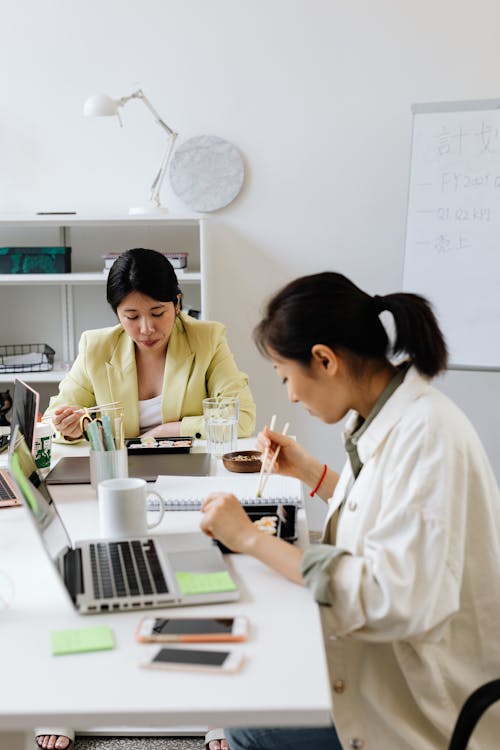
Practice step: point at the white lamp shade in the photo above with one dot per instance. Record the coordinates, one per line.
(100, 105)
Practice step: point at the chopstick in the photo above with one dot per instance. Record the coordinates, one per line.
(264, 457)
(271, 465)
(86, 409)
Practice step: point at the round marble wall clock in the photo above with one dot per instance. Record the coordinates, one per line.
(206, 173)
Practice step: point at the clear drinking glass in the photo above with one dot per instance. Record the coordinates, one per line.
(221, 424)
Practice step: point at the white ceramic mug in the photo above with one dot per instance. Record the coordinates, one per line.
(123, 509)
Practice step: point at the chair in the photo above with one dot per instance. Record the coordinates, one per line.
(470, 713)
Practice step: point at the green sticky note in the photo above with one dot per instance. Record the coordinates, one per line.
(205, 583)
(97, 638)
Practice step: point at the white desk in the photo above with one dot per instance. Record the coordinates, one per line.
(284, 680)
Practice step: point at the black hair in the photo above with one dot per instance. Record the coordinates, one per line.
(327, 308)
(145, 271)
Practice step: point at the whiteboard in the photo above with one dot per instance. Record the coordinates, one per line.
(452, 253)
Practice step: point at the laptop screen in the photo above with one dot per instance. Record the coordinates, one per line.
(37, 498)
(25, 407)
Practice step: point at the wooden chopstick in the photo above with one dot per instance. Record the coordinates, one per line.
(273, 461)
(264, 457)
(87, 409)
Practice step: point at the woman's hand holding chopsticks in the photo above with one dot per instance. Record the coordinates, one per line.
(66, 420)
(294, 461)
(291, 454)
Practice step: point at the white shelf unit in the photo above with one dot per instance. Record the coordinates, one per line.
(30, 312)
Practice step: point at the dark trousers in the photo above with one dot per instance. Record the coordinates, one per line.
(317, 738)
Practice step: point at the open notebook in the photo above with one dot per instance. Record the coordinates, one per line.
(187, 493)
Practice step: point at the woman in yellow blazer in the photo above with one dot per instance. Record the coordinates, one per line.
(159, 362)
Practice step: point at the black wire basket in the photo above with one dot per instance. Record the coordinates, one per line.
(26, 358)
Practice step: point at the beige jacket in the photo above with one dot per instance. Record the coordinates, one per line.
(411, 610)
(199, 364)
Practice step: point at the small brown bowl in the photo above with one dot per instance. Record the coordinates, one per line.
(243, 462)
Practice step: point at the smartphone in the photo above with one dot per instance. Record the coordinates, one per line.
(204, 661)
(191, 629)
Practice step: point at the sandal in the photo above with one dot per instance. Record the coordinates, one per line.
(214, 734)
(56, 733)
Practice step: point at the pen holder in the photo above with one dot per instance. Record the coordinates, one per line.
(108, 465)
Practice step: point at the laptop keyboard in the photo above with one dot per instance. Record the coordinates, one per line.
(8, 494)
(122, 569)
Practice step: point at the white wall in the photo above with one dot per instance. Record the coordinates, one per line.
(315, 93)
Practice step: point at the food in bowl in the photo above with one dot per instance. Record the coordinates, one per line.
(242, 461)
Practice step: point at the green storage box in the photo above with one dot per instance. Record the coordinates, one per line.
(35, 260)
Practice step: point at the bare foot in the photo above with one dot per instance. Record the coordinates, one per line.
(53, 741)
(218, 745)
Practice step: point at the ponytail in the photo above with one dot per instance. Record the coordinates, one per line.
(327, 308)
(417, 331)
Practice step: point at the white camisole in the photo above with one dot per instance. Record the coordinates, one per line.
(149, 413)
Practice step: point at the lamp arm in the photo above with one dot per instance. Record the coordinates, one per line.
(158, 180)
(139, 94)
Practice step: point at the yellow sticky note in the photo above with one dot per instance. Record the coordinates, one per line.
(205, 583)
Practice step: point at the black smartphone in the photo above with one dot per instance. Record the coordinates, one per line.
(197, 659)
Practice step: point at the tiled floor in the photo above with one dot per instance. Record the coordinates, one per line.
(138, 743)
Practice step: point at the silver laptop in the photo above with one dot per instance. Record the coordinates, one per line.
(76, 469)
(102, 575)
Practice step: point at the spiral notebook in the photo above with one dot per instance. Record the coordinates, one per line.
(187, 493)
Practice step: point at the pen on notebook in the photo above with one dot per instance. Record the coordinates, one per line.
(264, 457)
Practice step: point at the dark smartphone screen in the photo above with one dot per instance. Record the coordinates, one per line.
(191, 626)
(180, 656)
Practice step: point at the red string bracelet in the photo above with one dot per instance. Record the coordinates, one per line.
(323, 475)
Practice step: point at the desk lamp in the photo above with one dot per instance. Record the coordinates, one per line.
(102, 105)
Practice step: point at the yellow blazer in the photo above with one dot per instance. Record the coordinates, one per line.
(198, 364)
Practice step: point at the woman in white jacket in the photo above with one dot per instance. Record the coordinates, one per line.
(407, 571)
